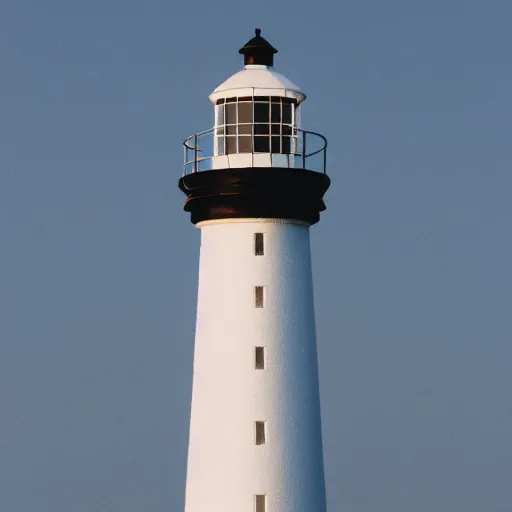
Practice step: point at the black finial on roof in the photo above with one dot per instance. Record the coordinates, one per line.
(258, 51)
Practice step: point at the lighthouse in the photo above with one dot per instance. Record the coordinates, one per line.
(254, 186)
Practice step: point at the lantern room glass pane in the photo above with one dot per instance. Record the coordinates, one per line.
(230, 145)
(245, 144)
(245, 112)
(261, 129)
(231, 129)
(275, 144)
(220, 114)
(287, 113)
(220, 145)
(261, 144)
(276, 113)
(245, 129)
(286, 145)
(261, 112)
(231, 113)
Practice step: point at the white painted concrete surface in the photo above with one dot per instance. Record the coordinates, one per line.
(240, 160)
(257, 80)
(225, 467)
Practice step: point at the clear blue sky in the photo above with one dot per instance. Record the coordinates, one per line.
(98, 270)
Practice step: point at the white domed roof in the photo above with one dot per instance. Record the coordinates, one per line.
(257, 80)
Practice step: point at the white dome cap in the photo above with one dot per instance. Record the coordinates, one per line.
(257, 80)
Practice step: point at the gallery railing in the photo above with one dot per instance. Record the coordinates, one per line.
(307, 150)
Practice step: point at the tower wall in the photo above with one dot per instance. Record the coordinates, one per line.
(226, 468)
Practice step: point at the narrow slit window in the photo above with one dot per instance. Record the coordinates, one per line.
(260, 502)
(259, 358)
(259, 296)
(260, 432)
(259, 247)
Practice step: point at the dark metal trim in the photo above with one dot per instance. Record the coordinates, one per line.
(262, 192)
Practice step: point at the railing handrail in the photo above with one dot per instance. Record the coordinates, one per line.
(304, 155)
(199, 134)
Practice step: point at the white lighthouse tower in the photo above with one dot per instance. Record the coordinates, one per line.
(254, 186)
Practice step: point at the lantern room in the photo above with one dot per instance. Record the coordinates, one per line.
(256, 121)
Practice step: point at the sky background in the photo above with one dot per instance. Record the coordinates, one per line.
(98, 265)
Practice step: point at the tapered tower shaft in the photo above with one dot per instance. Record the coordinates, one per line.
(255, 361)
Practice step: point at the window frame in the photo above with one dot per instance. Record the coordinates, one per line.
(259, 300)
(260, 363)
(259, 244)
(260, 433)
(260, 503)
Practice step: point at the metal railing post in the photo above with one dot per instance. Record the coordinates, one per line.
(303, 149)
(195, 153)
